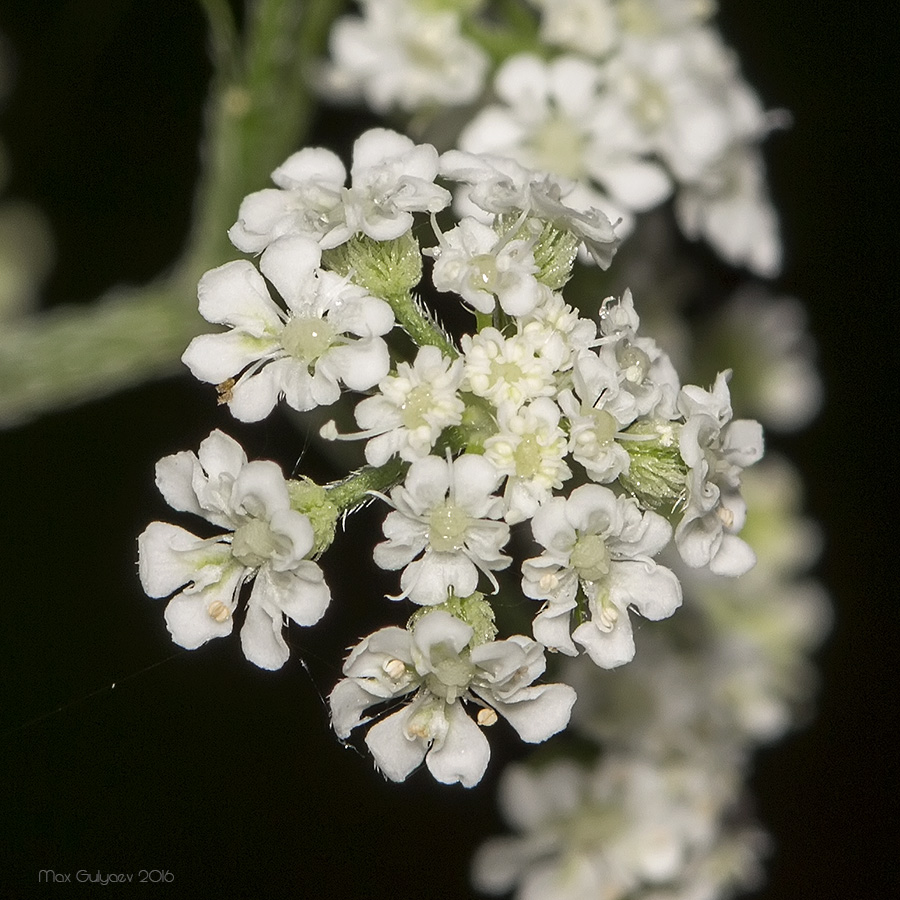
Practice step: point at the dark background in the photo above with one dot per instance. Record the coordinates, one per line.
(228, 777)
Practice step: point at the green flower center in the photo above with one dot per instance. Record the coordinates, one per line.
(590, 557)
(307, 337)
(418, 402)
(484, 275)
(502, 370)
(558, 146)
(253, 544)
(447, 527)
(528, 457)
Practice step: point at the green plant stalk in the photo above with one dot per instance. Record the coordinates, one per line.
(259, 111)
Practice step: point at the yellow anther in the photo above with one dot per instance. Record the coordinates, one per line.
(486, 717)
(218, 611)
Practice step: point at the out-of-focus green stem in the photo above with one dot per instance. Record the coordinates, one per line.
(259, 111)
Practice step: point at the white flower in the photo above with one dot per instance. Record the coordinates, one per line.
(434, 662)
(621, 828)
(716, 449)
(556, 331)
(505, 370)
(329, 333)
(586, 26)
(629, 376)
(474, 261)
(412, 408)
(499, 186)
(592, 439)
(683, 97)
(529, 448)
(400, 55)
(780, 384)
(267, 541)
(728, 205)
(601, 545)
(391, 178)
(557, 119)
(442, 531)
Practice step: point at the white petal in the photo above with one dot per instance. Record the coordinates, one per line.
(608, 649)
(170, 557)
(260, 489)
(174, 478)
(235, 294)
(439, 629)
(743, 442)
(255, 395)
(539, 711)
(220, 455)
(464, 753)
(301, 593)
(261, 638)
(348, 701)
(213, 358)
(733, 558)
(395, 753)
(188, 619)
(636, 183)
(551, 627)
(361, 364)
(312, 164)
(428, 580)
(290, 264)
(373, 147)
(653, 590)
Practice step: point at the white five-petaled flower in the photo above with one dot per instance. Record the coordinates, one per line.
(443, 528)
(474, 261)
(329, 333)
(412, 407)
(500, 186)
(404, 55)
(506, 370)
(601, 545)
(530, 448)
(436, 663)
(716, 449)
(266, 540)
(556, 118)
(391, 178)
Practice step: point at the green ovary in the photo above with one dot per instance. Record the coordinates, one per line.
(447, 527)
(307, 338)
(418, 402)
(528, 457)
(484, 275)
(505, 371)
(590, 557)
(253, 543)
(559, 147)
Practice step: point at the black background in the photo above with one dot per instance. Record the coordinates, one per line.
(227, 777)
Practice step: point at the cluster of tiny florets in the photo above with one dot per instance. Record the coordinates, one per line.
(535, 420)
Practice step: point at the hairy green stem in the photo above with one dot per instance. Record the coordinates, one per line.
(354, 490)
(259, 111)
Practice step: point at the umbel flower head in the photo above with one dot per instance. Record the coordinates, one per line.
(435, 665)
(265, 541)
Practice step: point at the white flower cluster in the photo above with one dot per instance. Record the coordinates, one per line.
(637, 101)
(659, 813)
(537, 418)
